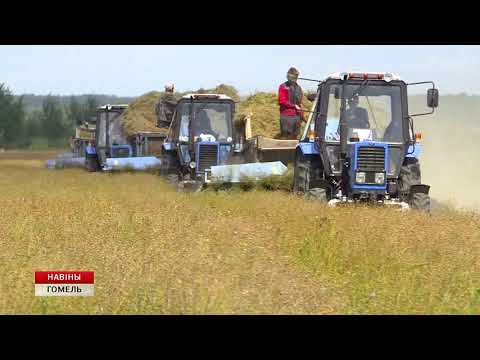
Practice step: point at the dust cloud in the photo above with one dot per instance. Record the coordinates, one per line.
(450, 158)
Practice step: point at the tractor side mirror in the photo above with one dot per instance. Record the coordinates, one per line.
(311, 97)
(432, 98)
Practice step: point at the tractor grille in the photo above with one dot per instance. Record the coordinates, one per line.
(370, 158)
(207, 156)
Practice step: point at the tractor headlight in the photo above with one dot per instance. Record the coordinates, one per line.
(192, 164)
(379, 178)
(360, 177)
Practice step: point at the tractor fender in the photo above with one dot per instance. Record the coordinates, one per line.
(308, 148)
(414, 151)
(419, 188)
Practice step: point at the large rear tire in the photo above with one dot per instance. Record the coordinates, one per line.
(317, 194)
(92, 164)
(420, 201)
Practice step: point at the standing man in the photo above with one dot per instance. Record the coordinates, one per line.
(290, 96)
(91, 159)
(166, 107)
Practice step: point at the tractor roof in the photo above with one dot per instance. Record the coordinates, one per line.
(370, 75)
(207, 96)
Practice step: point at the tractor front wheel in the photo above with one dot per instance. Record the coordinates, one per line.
(410, 175)
(301, 174)
(168, 165)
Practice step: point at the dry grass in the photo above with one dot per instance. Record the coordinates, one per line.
(156, 251)
(220, 89)
(153, 250)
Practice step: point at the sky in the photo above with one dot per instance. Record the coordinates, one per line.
(134, 70)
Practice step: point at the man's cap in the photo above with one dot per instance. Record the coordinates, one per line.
(293, 71)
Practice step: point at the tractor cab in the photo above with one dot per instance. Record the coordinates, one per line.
(360, 143)
(110, 139)
(200, 136)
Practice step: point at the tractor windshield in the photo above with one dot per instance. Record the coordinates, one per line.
(373, 112)
(209, 120)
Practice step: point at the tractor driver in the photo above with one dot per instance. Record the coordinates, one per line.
(357, 117)
(203, 124)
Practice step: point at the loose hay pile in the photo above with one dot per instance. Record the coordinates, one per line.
(262, 108)
(140, 114)
(222, 89)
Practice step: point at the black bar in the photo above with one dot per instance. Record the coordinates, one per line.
(319, 81)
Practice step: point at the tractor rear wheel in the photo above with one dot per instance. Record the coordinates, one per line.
(420, 201)
(318, 194)
(92, 163)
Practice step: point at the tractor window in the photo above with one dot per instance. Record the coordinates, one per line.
(333, 119)
(102, 136)
(373, 112)
(212, 119)
(180, 123)
(184, 126)
(208, 119)
(117, 136)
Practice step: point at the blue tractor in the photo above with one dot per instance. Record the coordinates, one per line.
(203, 146)
(200, 136)
(114, 149)
(359, 144)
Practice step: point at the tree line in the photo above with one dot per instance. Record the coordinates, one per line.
(49, 123)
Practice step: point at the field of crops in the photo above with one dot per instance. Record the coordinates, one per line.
(155, 251)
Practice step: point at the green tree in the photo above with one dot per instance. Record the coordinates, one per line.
(33, 124)
(90, 107)
(12, 116)
(75, 112)
(53, 122)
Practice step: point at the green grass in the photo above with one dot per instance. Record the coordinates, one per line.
(154, 250)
